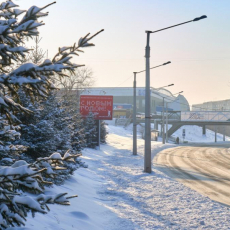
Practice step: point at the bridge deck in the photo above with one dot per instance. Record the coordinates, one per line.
(172, 121)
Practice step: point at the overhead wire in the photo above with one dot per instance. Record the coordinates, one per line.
(124, 81)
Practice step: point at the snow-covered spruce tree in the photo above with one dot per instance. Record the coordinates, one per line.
(47, 129)
(35, 81)
(50, 129)
(70, 105)
(55, 125)
(90, 131)
(8, 135)
(78, 141)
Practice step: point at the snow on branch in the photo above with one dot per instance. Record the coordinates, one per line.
(35, 80)
(12, 31)
(22, 176)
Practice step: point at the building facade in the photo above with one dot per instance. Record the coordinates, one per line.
(223, 105)
(124, 95)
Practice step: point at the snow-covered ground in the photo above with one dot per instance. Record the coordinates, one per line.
(193, 133)
(115, 193)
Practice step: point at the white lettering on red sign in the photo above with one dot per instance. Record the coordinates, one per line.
(101, 106)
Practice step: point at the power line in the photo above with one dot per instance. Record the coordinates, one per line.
(124, 81)
(153, 60)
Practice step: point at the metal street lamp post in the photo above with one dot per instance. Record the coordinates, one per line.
(135, 106)
(166, 122)
(163, 121)
(134, 117)
(167, 117)
(147, 153)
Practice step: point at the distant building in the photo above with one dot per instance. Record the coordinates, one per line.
(223, 105)
(123, 96)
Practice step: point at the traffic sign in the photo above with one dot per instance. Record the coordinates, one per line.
(183, 133)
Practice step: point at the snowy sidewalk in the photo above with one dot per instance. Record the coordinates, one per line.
(115, 194)
(143, 201)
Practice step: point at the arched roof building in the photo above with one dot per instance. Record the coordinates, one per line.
(124, 95)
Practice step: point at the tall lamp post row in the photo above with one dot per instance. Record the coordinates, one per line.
(167, 117)
(147, 154)
(163, 105)
(135, 106)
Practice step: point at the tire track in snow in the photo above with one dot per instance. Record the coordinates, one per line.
(190, 166)
(208, 168)
(215, 156)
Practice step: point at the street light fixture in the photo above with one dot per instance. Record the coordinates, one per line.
(167, 118)
(147, 153)
(157, 89)
(135, 107)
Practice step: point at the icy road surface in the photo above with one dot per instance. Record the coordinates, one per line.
(205, 169)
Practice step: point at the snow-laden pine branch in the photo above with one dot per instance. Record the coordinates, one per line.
(32, 178)
(35, 80)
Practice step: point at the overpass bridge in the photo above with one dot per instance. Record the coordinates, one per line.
(200, 118)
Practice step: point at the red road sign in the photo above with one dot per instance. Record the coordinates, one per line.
(100, 106)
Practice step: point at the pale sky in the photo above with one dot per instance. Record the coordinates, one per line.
(199, 51)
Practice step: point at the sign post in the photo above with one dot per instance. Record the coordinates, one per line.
(100, 106)
(98, 138)
(183, 134)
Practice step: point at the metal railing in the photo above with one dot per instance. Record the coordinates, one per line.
(205, 116)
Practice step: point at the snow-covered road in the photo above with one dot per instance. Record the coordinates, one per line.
(205, 169)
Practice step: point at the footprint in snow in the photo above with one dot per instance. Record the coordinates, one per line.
(80, 215)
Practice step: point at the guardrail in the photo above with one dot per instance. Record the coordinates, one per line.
(122, 121)
(205, 116)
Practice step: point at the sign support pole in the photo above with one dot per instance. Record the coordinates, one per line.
(99, 133)
(224, 134)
